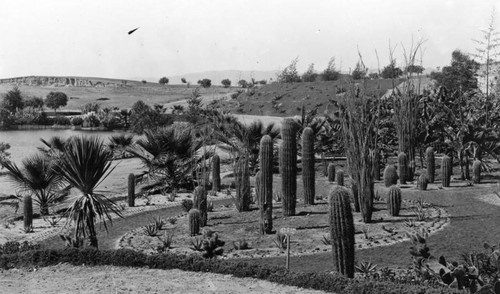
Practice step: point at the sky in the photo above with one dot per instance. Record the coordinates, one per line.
(89, 37)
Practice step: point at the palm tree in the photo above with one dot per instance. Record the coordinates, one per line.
(36, 177)
(86, 162)
(119, 144)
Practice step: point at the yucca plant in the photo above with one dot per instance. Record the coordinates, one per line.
(86, 162)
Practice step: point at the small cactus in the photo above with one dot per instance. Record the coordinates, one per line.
(422, 182)
(131, 190)
(342, 231)
(390, 176)
(331, 172)
(200, 202)
(194, 221)
(216, 173)
(394, 200)
(403, 168)
(27, 212)
(266, 185)
(339, 177)
(308, 161)
(288, 161)
(476, 171)
(242, 180)
(446, 170)
(431, 164)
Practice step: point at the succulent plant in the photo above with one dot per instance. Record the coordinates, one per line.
(266, 185)
(131, 190)
(403, 168)
(422, 182)
(446, 170)
(27, 212)
(288, 161)
(308, 161)
(476, 171)
(339, 177)
(331, 172)
(194, 216)
(216, 173)
(390, 176)
(394, 200)
(242, 180)
(431, 164)
(201, 203)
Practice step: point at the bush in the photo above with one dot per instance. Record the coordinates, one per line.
(61, 120)
(112, 122)
(77, 121)
(90, 121)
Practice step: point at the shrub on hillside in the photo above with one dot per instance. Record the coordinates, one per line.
(61, 120)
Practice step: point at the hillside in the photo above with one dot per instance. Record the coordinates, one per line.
(218, 76)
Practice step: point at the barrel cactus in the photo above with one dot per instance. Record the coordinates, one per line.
(288, 160)
(431, 164)
(339, 177)
(194, 217)
(422, 182)
(266, 185)
(308, 172)
(394, 200)
(342, 231)
(403, 168)
(131, 190)
(331, 172)
(27, 212)
(242, 180)
(216, 173)
(476, 171)
(201, 203)
(446, 170)
(390, 176)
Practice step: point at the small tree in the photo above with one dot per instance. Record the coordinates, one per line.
(359, 72)
(289, 74)
(13, 100)
(205, 83)
(330, 73)
(310, 75)
(56, 100)
(163, 81)
(226, 83)
(243, 83)
(391, 71)
(35, 102)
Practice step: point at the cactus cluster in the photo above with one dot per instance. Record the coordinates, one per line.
(342, 231)
(216, 173)
(194, 217)
(131, 190)
(390, 176)
(394, 200)
(403, 168)
(446, 170)
(242, 180)
(288, 161)
(27, 212)
(201, 203)
(422, 182)
(308, 172)
(476, 171)
(431, 164)
(265, 190)
(339, 177)
(331, 172)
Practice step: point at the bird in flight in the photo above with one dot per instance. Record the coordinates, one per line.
(130, 32)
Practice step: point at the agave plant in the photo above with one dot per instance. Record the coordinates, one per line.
(37, 178)
(86, 162)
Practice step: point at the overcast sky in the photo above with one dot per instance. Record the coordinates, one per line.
(89, 37)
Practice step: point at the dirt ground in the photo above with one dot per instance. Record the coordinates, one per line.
(64, 278)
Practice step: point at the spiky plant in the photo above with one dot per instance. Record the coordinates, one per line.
(446, 170)
(390, 176)
(194, 217)
(422, 182)
(394, 200)
(216, 173)
(339, 177)
(476, 171)
(288, 162)
(27, 211)
(308, 161)
(201, 203)
(331, 172)
(131, 190)
(266, 185)
(242, 180)
(431, 164)
(403, 168)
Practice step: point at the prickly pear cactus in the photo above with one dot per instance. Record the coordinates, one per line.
(446, 169)
(394, 200)
(194, 216)
(331, 172)
(422, 182)
(308, 161)
(431, 164)
(342, 231)
(27, 211)
(266, 185)
(476, 171)
(390, 176)
(339, 177)
(403, 168)
(288, 160)
(201, 203)
(216, 173)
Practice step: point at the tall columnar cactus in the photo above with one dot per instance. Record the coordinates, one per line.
(28, 211)
(339, 177)
(355, 195)
(467, 171)
(422, 182)
(331, 172)
(403, 168)
(390, 176)
(342, 231)
(131, 190)
(258, 184)
(194, 217)
(201, 203)
(308, 172)
(375, 158)
(242, 180)
(216, 173)
(411, 170)
(446, 170)
(476, 170)
(431, 164)
(266, 185)
(288, 160)
(394, 200)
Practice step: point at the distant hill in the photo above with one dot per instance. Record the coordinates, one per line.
(219, 75)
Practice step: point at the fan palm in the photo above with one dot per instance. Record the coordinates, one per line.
(119, 143)
(85, 163)
(36, 177)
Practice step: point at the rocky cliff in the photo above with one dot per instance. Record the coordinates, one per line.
(63, 82)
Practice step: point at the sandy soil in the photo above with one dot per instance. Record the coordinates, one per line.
(65, 278)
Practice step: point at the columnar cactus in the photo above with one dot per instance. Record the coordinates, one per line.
(200, 202)
(355, 196)
(431, 164)
(375, 158)
(308, 172)
(339, 177)
(394, 200)
(28, 211)
(390, 176)
(403, 168)
(446, 170)
(422, 182)
(131, 190)
(331, 172)
(258, 184)
(266, 185)
(411, 170)
(467, 171)
(288, 160)
(342, 231)
(476, 171)
(242, 180)
(194, 216)
(216, 173)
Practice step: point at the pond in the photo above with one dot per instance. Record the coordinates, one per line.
(25, 142)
